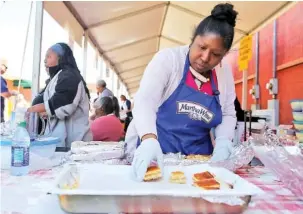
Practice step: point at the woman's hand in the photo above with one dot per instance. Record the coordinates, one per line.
(222, 150)
(30, 109)
(43, 115)
(148, 151)
(40, 108)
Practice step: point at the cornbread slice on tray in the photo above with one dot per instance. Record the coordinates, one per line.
(207, 184)
(177, 177)
(202, 176)
(198, 157)
(153, 173)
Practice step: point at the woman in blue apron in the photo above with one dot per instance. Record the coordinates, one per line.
(190, 100)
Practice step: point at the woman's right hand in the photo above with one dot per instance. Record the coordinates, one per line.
(148, 150)
(43, 115)
(92, 117)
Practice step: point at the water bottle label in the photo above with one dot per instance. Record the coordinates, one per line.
(20, 156)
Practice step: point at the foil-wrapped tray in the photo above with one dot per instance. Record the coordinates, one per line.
(96, 151)
(241, 155)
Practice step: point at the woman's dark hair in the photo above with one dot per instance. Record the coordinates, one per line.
(221, 22)
(116, 107)
(110, 105)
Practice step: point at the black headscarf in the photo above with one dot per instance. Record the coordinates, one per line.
(66, 62)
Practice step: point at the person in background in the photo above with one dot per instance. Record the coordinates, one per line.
(126, 109)
(185, 92)
(65, 98)
(107, 126)
(239, 111)
(102, 91)
(5, 93)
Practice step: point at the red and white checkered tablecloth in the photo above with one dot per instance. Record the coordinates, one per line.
(277, 199)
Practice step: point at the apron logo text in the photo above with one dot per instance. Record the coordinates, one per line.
(195, 111)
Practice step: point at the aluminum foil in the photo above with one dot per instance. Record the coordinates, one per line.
(114, 153)
(274, 156)
(97, 151)
(97, 156)
(113, 161)
(80, 147)
(241, 155)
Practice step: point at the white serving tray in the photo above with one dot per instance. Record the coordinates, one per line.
(116, 180)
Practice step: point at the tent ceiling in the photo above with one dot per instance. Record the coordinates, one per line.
(128, 33)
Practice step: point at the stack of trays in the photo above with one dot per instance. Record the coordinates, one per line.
(297, 112)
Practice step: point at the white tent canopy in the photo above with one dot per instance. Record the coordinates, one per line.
(128, 34)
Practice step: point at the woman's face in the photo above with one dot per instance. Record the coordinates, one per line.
(51, 59)
(99, 89)
(206, 52)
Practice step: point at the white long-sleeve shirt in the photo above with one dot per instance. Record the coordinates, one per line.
(161, 78)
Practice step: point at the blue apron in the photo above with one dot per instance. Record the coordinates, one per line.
(185, 119)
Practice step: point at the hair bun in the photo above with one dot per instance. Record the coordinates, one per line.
(225, 12)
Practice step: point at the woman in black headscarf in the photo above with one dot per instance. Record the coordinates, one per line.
(37, 100)
(65, 98)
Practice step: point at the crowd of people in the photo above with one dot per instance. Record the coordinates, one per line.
(65, 102)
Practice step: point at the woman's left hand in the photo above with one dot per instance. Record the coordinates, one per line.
(37, 108)
(30, 109)
(43, 115)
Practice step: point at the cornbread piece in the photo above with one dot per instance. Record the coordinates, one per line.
(198, 157)
(207, 184)
(152, 173)
(202, 176)
(75, 185)
(177, 177)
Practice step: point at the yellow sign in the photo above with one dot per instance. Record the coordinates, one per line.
(246, 41)
(245, 52)
(243, 65)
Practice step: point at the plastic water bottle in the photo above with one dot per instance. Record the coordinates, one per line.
(20, 113)
(20, 151)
